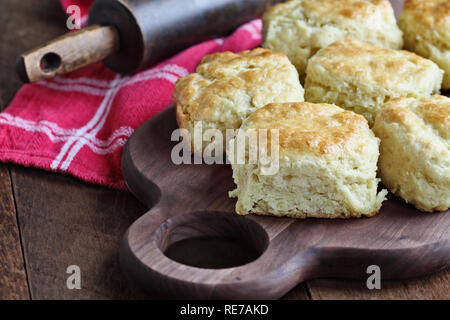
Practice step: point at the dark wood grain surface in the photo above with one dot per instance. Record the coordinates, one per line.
(13, 279)
(58, 221)
(192, 202)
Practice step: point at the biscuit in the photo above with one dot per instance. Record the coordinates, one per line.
(361, 77)
(415, 158)
(327, 164)
(299, 28)
(227, 87)
(426, 26)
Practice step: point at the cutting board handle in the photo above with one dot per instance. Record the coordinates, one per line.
(286, 257)
(68, 53)
(144, 246)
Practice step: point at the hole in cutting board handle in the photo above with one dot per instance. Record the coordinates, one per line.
(212, 240)
(212, 253)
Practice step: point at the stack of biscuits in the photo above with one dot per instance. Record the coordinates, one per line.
(348, 106)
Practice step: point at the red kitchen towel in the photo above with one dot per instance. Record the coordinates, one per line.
(78, 123)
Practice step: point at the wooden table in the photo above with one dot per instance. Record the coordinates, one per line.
(51, 221)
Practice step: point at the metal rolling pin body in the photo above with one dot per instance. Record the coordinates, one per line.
(130, 35)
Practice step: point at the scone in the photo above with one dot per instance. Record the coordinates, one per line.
(415, 158)
(327, 164)
(361, 77)
(426, 26)
(299, 28)
(228, 87)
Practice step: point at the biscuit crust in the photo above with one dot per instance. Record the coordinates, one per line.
(327, 164)
(430, 14)
(319, 129)
(299, 28)
(426, 27)
(361, 77)
(227, 87)
(415, 156)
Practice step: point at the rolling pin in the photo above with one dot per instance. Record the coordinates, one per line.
(130, 35)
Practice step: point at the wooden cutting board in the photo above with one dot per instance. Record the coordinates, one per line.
(191, 202)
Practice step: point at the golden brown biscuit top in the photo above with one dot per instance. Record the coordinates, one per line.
(412, 113)
(226, 84)
(432, 14)
(337, 11)
(229, 64)
(321, 129)
(370, 64)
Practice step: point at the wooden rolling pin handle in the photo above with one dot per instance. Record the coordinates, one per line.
(68, 53)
